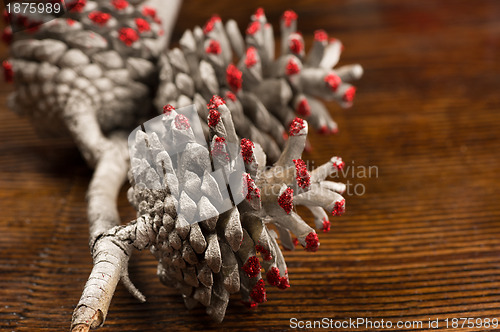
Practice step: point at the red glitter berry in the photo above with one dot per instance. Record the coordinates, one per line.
(77, 6)
(213, 47)
(339, 208)
(349, 94)
(213, 118)
(70, 21)
(253, 28)
(296, 45)
(216, 101)
(252, 189)
(323, 130)
(326, 225)
(8, 71)
(303, 177)
(149, 12)
(247, 150)
(289, 16)
(251, 57)
(320, 35)
(256, 192)
(286, 200)
(252, 266)
(265, 253)
(181, 122)
(128, 36)
(119, 4)
(230, 95)
(295, 242)
(273, 276)
(338, 163)
(142, 25)
(259, 12)
(234, 77)
(99, 18)
(312, 242)
(219, 148)
(284, 283)
(296, 126)
(258, 293)
(333, 81)
(167, 109)
(303, 108)
(292, 67)
(209, 26)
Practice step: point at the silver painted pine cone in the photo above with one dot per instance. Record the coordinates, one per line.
(88, 73)
(209, 260)
(264, 93)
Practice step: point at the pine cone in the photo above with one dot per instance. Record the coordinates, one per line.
(92, 71)
(173, 187)
(263, 93)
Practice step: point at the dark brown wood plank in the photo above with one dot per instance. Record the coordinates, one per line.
(422, 243)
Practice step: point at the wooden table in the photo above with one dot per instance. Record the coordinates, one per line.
(422, 242)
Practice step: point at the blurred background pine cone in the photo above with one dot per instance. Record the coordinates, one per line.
(101, 57)
(264, 94)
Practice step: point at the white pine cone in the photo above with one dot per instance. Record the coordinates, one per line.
(264, 94)
(209, 260)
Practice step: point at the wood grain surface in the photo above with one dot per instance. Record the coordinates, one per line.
(422, 242)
